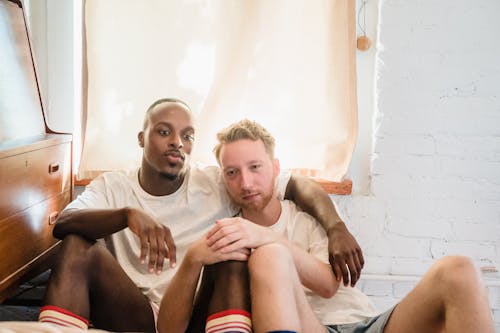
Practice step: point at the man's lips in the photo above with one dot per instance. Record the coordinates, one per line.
(249, 196)
(174, 156)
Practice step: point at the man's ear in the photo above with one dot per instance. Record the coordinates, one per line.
(140, 137)
(276, 164)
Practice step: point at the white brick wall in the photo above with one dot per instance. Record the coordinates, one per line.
(435, 160)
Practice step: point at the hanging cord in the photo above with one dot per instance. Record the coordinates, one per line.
(362, 9)
(363, 43)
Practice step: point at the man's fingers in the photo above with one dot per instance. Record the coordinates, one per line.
(224, 241)
(211, 233)
(361, 259)
(221, 233)
(144, 248)
(153, 251)
(337, 272)
(343, 268)
(171, 247)
(162, 253)
(234, 246)
(353, 270)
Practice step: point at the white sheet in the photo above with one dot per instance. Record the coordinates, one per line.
(37, 327)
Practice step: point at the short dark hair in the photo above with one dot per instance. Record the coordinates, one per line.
(161, 101)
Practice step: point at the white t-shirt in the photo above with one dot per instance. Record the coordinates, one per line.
(348, 305)
(189, 213)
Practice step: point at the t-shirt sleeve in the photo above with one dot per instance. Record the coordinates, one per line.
(282, 182)
(309, 235)
(94, 196)
(318, 242)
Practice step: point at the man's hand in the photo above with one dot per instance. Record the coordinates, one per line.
(156, 240)
(346, 257)
(200, 252)
(231, 234)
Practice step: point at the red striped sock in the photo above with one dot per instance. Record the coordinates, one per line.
(229, 321)
(58, 316)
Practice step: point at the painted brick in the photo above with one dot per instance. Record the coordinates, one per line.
(418, 227)
(376, 264)
(474, 249)
(410, 165)
(411, 266)
(434, 179)
(468, 210)
(496, 319)
(483, 148)
(401, 289)
(406, 145)
(383, 303)
(476, 232)
(386, 187)
(377, 288)
(390, 245)
(471, 169)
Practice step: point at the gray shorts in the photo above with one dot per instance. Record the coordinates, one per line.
(370, 325)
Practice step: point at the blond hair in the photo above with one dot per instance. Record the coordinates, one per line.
(244, 129)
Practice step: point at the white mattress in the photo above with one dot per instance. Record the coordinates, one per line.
(37, 327)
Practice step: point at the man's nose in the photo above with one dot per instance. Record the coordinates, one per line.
(175, 141)
(246, 180)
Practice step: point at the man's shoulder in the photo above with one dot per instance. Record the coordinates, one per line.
(293, 210)
(206, 175)
(113, 180)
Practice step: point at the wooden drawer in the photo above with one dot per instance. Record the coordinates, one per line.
(30, 237)
(31, 177)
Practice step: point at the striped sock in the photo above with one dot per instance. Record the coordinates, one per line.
(58, 316)
(229, 321)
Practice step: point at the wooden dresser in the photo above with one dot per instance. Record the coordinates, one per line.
(35, 162)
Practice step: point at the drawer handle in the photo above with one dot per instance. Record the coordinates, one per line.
(53, 167)
(53, 217)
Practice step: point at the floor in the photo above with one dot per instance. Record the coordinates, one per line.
(26, 302)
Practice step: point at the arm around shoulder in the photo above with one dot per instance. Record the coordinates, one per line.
(346, 257)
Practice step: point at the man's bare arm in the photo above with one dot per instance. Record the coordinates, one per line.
(156, 240)
(345, 253)
(91, 223)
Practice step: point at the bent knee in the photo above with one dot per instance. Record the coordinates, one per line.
(456, 272)
(270, 257)
(78, 250)
(454, 264)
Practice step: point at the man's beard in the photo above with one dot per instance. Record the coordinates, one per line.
(174, 176)
(256, 206)
(169, 176)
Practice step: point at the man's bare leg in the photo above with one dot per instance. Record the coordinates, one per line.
(89, 282)
(450, 298)
(278, 298)
(231, 287)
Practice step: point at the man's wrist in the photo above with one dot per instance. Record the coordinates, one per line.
(192, 259)
(125, 212)
(335, 226)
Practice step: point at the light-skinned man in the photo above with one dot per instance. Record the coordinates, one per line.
(449, 298)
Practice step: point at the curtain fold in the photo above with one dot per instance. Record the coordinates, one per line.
(289, 65)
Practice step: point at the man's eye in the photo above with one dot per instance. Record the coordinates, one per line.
(164, 132)
(189, 137)
(230, 173)
(255, 166)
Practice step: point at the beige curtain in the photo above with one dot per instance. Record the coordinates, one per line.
(289, 65)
